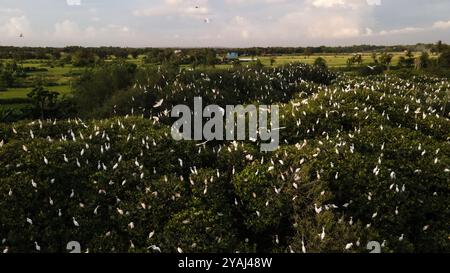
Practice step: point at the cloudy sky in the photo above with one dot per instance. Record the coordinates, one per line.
(228, 23)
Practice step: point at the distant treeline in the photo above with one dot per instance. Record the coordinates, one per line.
(10, 52)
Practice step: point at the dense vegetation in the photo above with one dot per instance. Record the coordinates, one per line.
(9, 52)
(362, 159)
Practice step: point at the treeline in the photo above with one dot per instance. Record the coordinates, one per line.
(257, 51)
(10, 52)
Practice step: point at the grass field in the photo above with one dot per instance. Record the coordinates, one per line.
(333, 60)
(7, 107)
(20, 93)
(60, 77)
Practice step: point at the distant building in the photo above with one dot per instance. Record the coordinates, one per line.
(232, 56)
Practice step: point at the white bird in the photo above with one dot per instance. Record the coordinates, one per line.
(45, 160)
(277, 191)
(179, 250)
(401, 237)
(38, 248)
(151, 234)
(29, 221)
(75, 223)
(155, 248)
(317, 209)
(291, 250)
(303, 247)
(158, 103)
(322, 235)
(34, 184)
(393, 175)
(348, 246)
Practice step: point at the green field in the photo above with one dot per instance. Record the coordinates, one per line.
(333, 60)
(21, 93)
(59, 78)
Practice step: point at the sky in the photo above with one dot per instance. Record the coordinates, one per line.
(222, 23)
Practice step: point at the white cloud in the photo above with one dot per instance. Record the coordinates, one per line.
(73, 2)
(16, 26)
(9, 10)
(354, 4)
(69, 32)
(189, 8)
(251, 2)
(442, 25)
(439, 25)
(319, 25)
(404, 30)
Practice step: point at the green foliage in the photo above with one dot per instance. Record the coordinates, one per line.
(361, 159)
(355, 59)
(97, 85)
(444, 59)
(43, 100)
(256, 188)
(407, 61)
(321, 62)
(199, 231)
(371, 70)
(386, 59)
(110, 90)
(424, 60)
(83, 57)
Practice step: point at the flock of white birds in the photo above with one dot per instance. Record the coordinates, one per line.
(62, 178)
